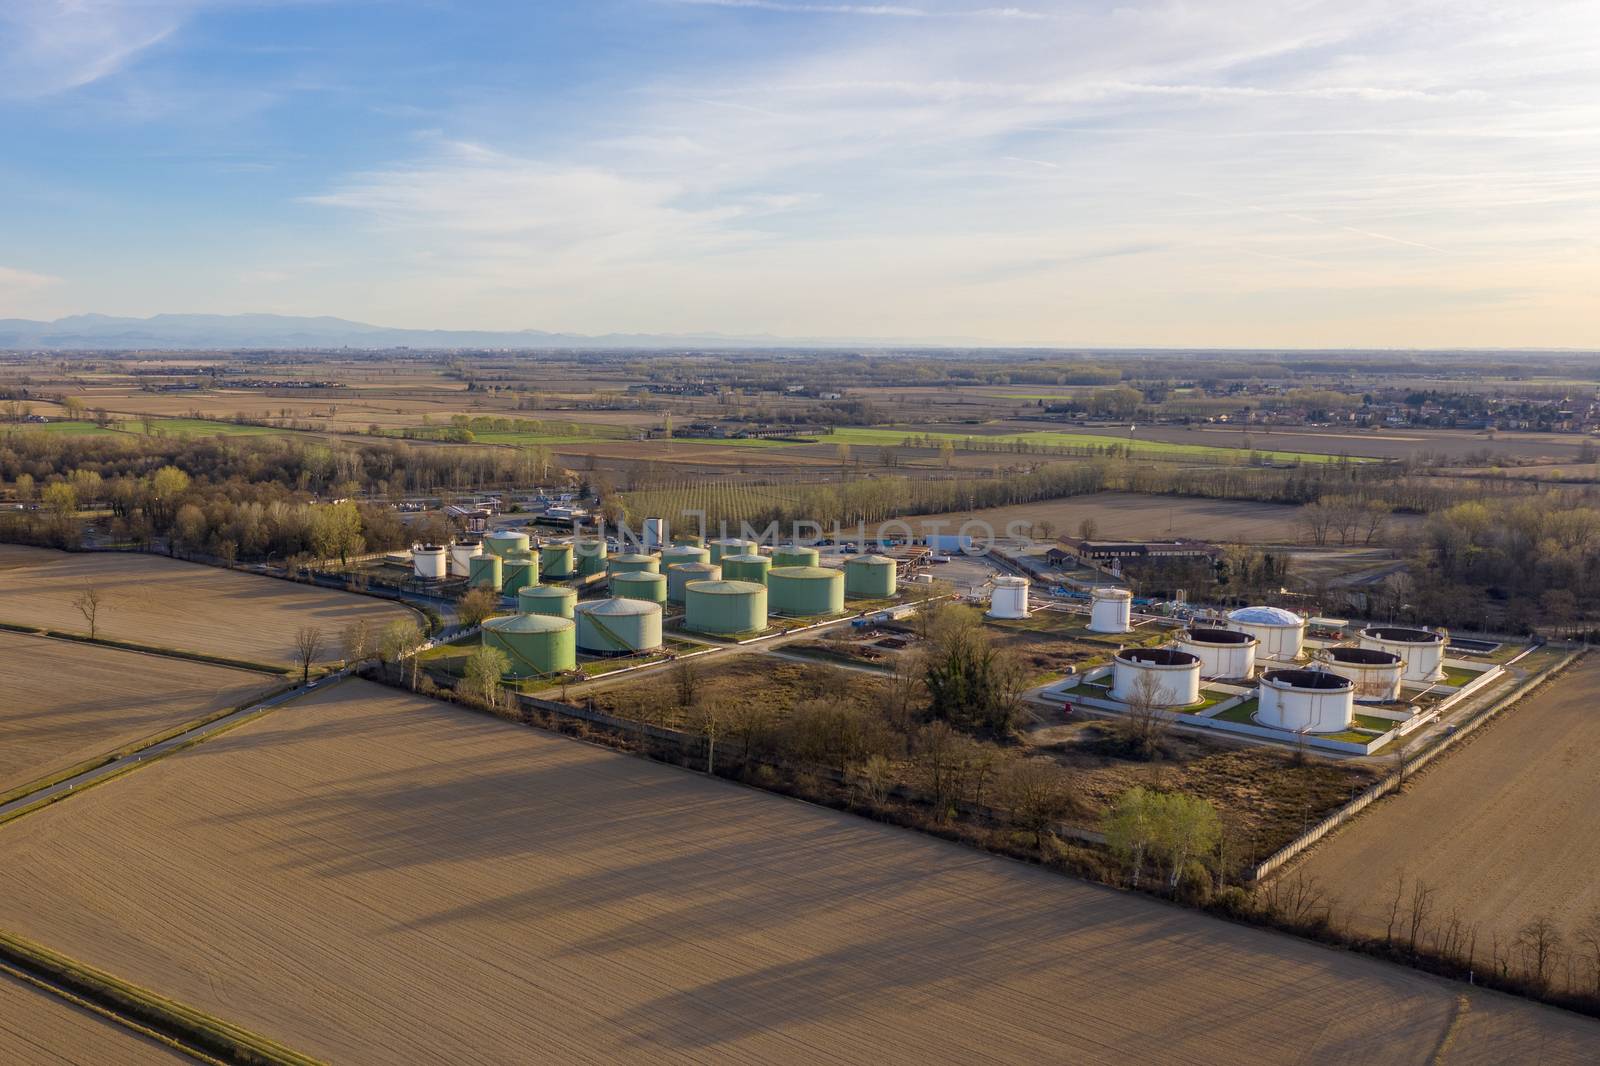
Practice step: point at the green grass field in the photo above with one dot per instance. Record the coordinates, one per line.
(199, 427)
(64, 429)
(874, 436)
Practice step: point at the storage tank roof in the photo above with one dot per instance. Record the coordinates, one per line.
(547, 591)
(745, 559)
(1266, 616)
(633, 558)
(874, 560)
(695, 567)
(528, 623)
(726, 588)
(619, 607)
(805, 573)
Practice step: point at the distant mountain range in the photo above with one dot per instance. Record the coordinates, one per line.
(228, 332)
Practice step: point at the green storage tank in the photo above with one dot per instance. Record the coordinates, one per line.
(692, 540)
(517, 571)
(555, 600)
(627, 564)
(640, 585)
(536, 645)
(746, 568)
(680, 574)
(618, 626)
(589, 554)
(731, 546)
(725, 608)
(869, 577)
(805, 591)
(483, 571)
(795, 555)
(555, 560)
(683, 553)
(505, 541)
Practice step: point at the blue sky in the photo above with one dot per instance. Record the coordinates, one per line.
(1219, 173)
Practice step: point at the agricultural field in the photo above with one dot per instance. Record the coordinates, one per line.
(768, 685)
(38, 1028)
(441, 886)
(67, 702)
(1502, 829)
(1218, 450)
(156, 601)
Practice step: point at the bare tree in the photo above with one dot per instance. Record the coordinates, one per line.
(1420, 908)
(876, 779)
(1588, 938)
(1038, 793)
(686, 682)
(357, 640)
(1540, 943)
(1144, 725)
(88, 603)
(711, 722)
(307, 647)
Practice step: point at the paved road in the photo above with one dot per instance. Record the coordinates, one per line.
(155, 751)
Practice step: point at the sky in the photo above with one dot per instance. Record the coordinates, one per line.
(1281, 173)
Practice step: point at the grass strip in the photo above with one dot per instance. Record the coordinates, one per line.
(184, 1024)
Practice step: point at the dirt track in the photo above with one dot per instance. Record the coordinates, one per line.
(38, 1028)
(374, 878)
(153, 600)
(1504, 828)
(63, 702)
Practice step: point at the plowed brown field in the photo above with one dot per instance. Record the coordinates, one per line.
(38, 1028)
(62, 702)
(172, 604)
(374, 878)
(1503, 829)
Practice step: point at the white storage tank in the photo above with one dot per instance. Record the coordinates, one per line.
(1166, 676)
(1422, 650)
(1110, 610)
(1010, 598)
(1376, 674)
(462, 552)
(1281, 633)
(430, 561)
(655, 534)
(1222, 652)
(1306, 701)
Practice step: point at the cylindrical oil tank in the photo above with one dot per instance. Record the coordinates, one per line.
(1110, 610)
(536, 645)
(725, 608)
(1281, 633)
(1305, 701)
(655, 534)
(618, 626)
(462, 552)
(805, 590)
(674, 554)
(680, 574)
(589, 556)
(746, 568)
(1376, 674)
(518, 570)
(1166, 677)
(870, 577)
(1422, 650)
(555, 600)
(688, 540)
(484, 572)
(430, 561)
(1009, 598)
(1222, 652)
(795, 555)
(627, 564)
(505, 541)
(731, 546)
(640, 585)
(555, 560)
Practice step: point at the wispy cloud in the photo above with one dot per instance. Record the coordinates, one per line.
(13, 280)
(50, 46)
(797, 7)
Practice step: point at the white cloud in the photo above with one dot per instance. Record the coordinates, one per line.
(13, 280)
(49, 46)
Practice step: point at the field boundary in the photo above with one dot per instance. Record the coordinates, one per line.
(148, 649)
(179, 1024)
(1393, 781)
(85, 766)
